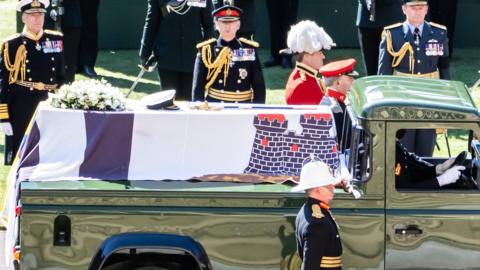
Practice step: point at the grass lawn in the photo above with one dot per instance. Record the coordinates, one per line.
(120, 69)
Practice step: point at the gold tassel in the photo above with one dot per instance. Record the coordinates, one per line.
(214, 69)
(19, 66)
(398, 56)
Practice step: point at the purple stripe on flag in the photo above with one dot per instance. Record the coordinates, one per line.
(29, 153)
(109, 143)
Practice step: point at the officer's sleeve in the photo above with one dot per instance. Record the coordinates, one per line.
(444, 61)
(384, 58)
(199, 79)
(315, 245)
(60, 69)
(258, 83)
(422, 173)
(4, 94)
(207, 21)
(152, 22)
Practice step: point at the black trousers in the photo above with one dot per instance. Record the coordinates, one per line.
(89, 37)
(71, 42)
(21, 109)
(369, 39)
(444, 12)
(178, 80)
(282, 14)
(420, 141)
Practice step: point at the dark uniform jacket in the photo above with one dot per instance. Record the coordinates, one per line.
(172, 38)
(318, 240)
(430, 55)
(338, 106)
(413, 172)
(43, 67)
(385, 12)
(304, 87)
(240, 80)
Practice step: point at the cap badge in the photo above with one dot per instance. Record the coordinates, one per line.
(229, 12)
(316, 211)
(35, 3)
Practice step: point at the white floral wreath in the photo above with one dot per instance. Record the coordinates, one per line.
(89, 95)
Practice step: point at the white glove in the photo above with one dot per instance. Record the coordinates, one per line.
(441, 168)
(450, 176)
(7, 128)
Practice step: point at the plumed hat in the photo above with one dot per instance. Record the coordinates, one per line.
(307, 36)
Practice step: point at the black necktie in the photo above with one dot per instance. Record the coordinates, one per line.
(416, 34)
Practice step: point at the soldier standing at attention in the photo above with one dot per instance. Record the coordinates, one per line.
(227, 69)
(281, 14)
(318, 239)
(31, 65)
(372, 16)
(420, 49)
(171, 27)
(88, 47)
(306, 41)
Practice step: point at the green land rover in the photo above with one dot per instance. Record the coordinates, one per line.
(67, 224)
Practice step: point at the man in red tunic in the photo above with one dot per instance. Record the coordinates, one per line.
(306, 41)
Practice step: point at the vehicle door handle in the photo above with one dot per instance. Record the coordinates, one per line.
(411, 229)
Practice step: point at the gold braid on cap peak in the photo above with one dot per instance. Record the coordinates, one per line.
(214, 68)
(398, 56)
(19, 66)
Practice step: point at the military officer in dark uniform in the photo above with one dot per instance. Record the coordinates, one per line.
(420, 49)
(415, 47)
(318, 239)
(228, 69)
(31, 66)
(169, 33)
(372, 16)
(338, 77)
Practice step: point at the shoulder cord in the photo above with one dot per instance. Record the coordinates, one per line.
(221, 62)
(179, 8)
(398, 56)
(19, 64)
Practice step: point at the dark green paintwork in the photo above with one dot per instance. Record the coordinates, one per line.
(248, 226)
(401, 98)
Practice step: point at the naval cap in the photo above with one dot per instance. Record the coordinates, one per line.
(32, 6)
(414, 2)
(162, 100)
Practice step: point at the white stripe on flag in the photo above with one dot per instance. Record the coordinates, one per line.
(62, 149)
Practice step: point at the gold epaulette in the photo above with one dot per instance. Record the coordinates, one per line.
(52, 32)
(438, 25)
(316, 211)
(249, 42)
(14, 36)
(206, 42)
(392, 26)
